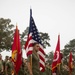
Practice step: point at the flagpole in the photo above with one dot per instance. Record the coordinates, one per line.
(31, 61)
(58, 68)
(17, 39)
(30, 64)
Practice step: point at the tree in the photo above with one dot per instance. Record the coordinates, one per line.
(6, 34)
(44, 38)
(67, 48)
(49, 57)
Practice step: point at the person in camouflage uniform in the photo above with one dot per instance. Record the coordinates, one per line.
(9, 67)
(23, 69)
(4, 63)
(1, 65)
(35, 61)
(47, 70)
(26, 68)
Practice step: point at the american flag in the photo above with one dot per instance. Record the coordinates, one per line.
(33, 36)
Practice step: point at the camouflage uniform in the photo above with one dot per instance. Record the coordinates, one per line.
(46, 72)
(35, 63)
(65, 70)
(1, 67)
(4, 63)
(9, 66)
(26, 69)
(73, 72)
(23, 69)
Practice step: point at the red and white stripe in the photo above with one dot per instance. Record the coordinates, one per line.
(42, 58)
(29, 49)
(28, 45)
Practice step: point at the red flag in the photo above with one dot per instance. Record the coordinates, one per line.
(70, 62)
(33, 36)
(16, 51)
(57, 58)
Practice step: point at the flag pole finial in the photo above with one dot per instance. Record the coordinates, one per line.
(16, 26)
(30, 11)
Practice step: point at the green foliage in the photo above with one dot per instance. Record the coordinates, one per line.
(49, 57)
(65, 54)
(67, 48)
(45, 39)
(6, 34)
(24, 36)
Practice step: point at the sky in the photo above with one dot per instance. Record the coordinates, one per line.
(51, 16)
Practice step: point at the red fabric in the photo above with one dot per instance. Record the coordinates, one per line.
(29, 45)
(57, 58)
(16, 51)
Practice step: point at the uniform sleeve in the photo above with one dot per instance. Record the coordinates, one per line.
(7, 64)
(29, 58)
